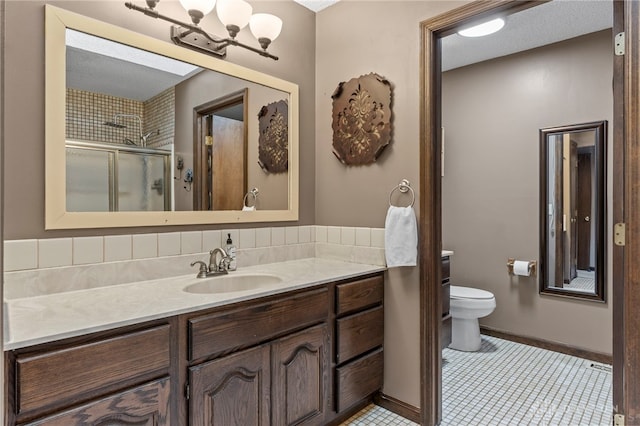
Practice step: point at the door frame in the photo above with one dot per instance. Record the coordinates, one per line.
(201, 150)
(626, 202)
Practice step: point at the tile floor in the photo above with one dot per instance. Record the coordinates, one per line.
(528, 386)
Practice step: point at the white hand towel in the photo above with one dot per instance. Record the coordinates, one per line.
(248, 209)
(401, 237)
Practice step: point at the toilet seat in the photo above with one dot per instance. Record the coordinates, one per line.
(458, 292)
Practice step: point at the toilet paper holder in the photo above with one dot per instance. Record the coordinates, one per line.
(532, 266)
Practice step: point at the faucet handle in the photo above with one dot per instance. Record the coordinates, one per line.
(204, 269)
(224, 263)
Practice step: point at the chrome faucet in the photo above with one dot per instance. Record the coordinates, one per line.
(221, 267)
(214, 268)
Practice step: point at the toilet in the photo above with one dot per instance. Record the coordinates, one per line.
(467, 305)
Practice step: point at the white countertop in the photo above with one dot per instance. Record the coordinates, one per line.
(41, 319)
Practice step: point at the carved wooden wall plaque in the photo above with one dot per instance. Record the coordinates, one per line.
(361, 119)
(273, 141)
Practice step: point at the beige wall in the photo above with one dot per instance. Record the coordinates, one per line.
(356, 38)
(492, 112)
(208, 86)
(24, 83)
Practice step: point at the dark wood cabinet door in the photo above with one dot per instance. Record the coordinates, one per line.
(146, 405)
(231, 391)
(300, 365)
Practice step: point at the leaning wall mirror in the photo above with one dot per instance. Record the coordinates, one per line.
(572, 210)
(140, 132)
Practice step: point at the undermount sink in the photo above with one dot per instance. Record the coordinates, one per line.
(232, 283)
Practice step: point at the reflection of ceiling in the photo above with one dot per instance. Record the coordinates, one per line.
(94, 73)
(538, 26)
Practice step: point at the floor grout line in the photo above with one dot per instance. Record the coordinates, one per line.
(508, 383)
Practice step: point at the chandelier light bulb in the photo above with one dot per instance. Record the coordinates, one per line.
(265, 27)
(197, 9)
(234, 14)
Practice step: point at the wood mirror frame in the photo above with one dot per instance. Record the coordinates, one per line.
(563, 217)
(56, 217)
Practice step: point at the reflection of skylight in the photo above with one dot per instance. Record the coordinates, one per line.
(123, 52)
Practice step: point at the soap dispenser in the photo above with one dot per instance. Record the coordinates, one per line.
(231, 252)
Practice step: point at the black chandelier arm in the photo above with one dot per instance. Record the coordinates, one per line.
(234, 42)
(222, 42)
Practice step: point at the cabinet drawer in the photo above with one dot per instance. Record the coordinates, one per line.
(226, 331)
(51, 379)
(359, 294)
(143, 405)
(446, 268)
(359, 333)
(446, 298)
(445, 332)
(359, 379)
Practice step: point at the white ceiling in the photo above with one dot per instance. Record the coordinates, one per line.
(316, 5)
(538, 26)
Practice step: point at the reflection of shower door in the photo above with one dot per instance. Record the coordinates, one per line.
(89, 177)
(141, 182)
(102, 178)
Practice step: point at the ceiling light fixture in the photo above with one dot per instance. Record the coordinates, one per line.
(234, 15)
(483, 29)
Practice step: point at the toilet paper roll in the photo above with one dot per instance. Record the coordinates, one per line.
(521, 267)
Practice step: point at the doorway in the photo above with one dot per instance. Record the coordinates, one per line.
(626, 202)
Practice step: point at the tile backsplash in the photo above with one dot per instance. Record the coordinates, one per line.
(63, 264)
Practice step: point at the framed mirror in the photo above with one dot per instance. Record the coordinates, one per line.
(573, 210)
(141, 132)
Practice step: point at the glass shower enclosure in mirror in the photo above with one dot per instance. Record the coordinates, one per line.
(141, 132)
(572, 210)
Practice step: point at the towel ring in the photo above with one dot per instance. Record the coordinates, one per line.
(254, 192)
(404, 186)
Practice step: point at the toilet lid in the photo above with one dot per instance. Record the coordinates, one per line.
(469, 293)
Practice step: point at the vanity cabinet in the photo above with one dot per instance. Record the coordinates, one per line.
(311, 356)
(445, 336)
(282, 380)
(300, 368)
(123, 377)
(359, 338)
(233, 390)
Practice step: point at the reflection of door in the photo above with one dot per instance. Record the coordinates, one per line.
(572, 231)
(227, 164)
(568, 254)
(557, 219)
(583, 225)
(220, 152)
